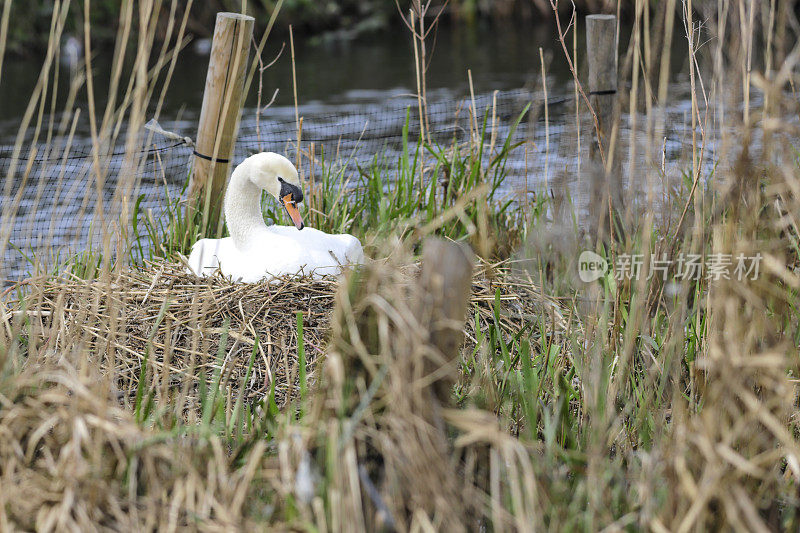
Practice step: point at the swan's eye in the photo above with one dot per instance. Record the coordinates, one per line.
(289, 189)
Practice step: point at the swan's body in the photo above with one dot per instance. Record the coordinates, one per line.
(255, 251)
(275, 251)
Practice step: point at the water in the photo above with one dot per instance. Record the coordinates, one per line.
(500, 57)
(353, 96)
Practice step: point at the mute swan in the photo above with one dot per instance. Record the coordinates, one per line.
(255, 251)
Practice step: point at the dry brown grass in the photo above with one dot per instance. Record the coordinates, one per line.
(71, 446)
(177, 324)
(71, 459)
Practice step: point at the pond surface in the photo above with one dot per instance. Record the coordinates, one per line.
(501, 57)
(354, 96)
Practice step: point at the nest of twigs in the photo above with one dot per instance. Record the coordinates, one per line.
(175, 326)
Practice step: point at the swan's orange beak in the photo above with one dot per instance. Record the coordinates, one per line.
(291, 210)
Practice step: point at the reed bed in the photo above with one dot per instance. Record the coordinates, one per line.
(169, 328)
(97, 352)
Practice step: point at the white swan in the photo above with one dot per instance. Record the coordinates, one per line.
(255, 251)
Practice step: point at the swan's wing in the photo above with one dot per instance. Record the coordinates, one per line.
(353, 252)
(332, 250)
(315, 251)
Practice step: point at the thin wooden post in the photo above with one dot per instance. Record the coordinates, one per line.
(446, 287)
(219, 116)
(601, 53)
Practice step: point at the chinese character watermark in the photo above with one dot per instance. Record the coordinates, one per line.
(685, 267)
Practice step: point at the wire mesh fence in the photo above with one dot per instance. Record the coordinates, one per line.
(53, 204)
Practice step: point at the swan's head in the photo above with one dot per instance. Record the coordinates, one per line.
(277, 175)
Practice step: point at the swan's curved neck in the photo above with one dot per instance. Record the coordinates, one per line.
(243, 206)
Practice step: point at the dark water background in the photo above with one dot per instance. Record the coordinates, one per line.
(331, 71)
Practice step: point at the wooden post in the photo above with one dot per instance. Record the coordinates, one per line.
(601, 53)
(219, 116)
(446, 287)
